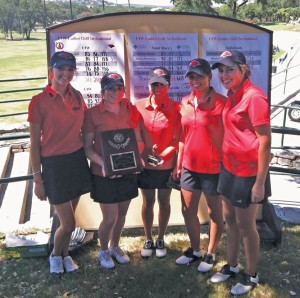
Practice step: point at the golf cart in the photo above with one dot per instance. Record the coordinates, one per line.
(294, 113)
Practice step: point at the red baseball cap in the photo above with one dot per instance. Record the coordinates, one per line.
(63, 58)
(199, 66)
(159, 75)
(111, 79)
(230, 58)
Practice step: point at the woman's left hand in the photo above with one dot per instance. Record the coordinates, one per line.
(39, 191)
(258, 193)
(154, 150)
(160, 163)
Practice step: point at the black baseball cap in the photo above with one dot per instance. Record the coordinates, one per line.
(230, 58)
(111, 79)
(159, 75)
(199, 66)
(63, 58)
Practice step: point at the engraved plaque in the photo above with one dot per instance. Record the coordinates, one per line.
(120, 152)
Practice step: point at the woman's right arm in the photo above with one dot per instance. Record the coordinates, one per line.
(91, 154)
(35, 158)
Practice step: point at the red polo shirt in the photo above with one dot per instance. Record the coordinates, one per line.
(246, 108)
(162, 126)
(202, 130)
(61, 120)
(98, 119)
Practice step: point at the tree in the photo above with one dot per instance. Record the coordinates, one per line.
(224, 11)
(8, 10)
(236, 5)
(196, 6)
(284, 14)
(30, 12)
(233, 5)
(251, 12)
(57, 13)
(78, 9)
(84, 14)
(291, 3)
(206, 6)
(270, 11)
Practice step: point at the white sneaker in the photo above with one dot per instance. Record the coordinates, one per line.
(118, 254)
(246, 284)
(226, 272)
(56, 264)
(206, 263)
(105, 259)
(189, 256)
(147, 249)
(69, 264)
(161, 250)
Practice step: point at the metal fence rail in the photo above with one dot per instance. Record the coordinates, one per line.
(3, 101)
(286, 79)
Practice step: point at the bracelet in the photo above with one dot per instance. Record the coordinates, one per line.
(36, 172)
(38, 181)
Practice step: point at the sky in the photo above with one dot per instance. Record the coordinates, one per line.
(145, 2)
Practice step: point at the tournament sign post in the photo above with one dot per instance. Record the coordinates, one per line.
(133, 43)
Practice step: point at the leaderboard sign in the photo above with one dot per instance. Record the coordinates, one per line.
(96, 54)
(133, 43)
(170, 50)
(133, 54)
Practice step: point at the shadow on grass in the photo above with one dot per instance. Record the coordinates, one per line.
(266, 23)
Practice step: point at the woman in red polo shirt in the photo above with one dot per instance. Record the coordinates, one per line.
(60, 169)
(199, 160)
(244, 179)
(161, 134)
(114, 194)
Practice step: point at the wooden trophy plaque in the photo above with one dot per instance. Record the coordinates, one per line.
(120, 151)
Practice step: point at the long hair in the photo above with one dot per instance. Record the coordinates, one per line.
(247, 73)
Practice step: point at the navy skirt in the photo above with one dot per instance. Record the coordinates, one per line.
(238, 189)
(108, 190)
(154, 179)
(66, 176)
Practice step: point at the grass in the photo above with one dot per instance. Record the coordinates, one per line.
(280, 27)
(153, 277)
(24, 58)
(278, 54)
(21, 59)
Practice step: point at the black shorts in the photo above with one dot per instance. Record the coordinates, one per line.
(66, 176)
(238, 189)
(107, 190)
(199, 181)
(154, 179)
